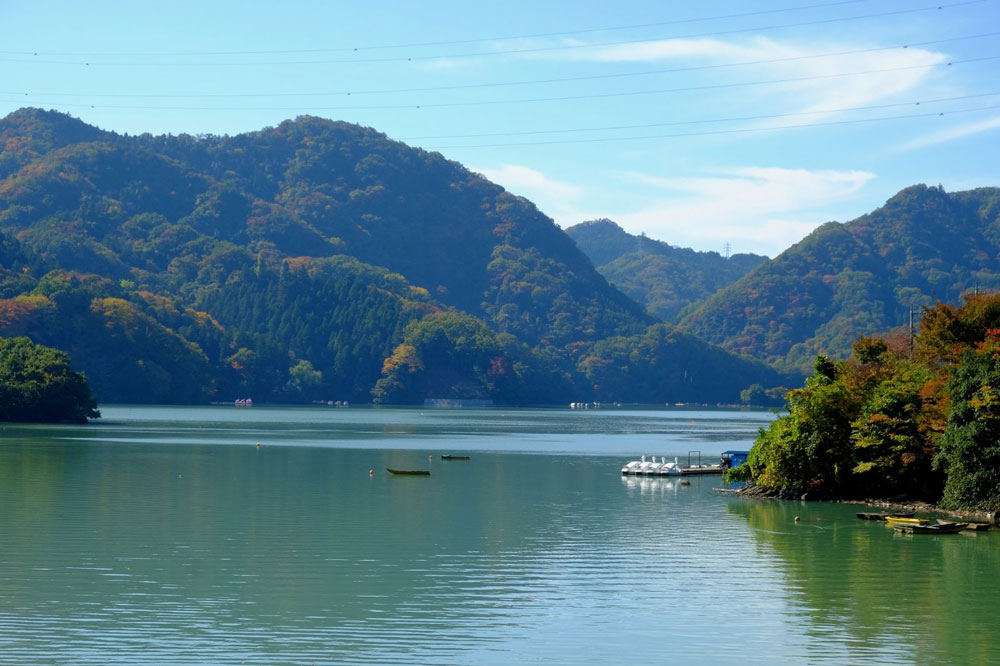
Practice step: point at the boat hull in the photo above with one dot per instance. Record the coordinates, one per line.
(952, 528)
(408, 472)
(895, 521)
(883, 516)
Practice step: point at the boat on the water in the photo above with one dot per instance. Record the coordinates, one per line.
(978, 527)
(451, 457)
(883, 516)
(651, 467)
(896, 521)
(969, 527)
(408, 472)
(945, 528)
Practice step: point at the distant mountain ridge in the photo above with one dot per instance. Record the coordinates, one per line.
(861, 277)
(309, 260)
(668, 280)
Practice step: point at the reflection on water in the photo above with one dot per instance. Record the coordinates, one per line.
(653, 486)
(890, 596)
(142, 550)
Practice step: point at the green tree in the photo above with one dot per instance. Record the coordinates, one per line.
(454, 355)
(304, 379)
(970, 448)
(37, 385)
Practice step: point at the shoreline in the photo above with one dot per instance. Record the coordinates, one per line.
(991, 517)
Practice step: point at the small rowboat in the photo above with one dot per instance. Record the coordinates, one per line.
(896, 521)
(969, 527)
(451, 457)
(978, 527)
(947, 528)
(883, 516)
(408, 472)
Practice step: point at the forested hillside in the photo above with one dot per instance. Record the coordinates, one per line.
(668, 280)
(862, 277)
(899, 419)
(312, 260)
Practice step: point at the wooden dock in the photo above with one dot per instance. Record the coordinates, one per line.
(703, 469)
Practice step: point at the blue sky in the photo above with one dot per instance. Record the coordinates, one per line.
(706, 125)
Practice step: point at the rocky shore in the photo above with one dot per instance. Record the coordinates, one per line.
(886, 506)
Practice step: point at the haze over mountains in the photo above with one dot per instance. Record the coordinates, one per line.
(315, 260)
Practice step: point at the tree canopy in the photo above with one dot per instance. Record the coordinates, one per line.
(38, 386)
(289, 264)
(898, 419)
(862, 277)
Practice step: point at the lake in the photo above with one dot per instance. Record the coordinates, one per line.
(166, 535)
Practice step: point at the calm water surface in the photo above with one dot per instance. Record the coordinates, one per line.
(166, 536)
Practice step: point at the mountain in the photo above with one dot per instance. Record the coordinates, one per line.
(315, 259)
(668, 280)
(861, 277)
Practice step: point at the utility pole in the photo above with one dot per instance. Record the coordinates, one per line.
(911, 332)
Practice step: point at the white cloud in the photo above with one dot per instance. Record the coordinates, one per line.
(816, 79)
(951, 134)
(755, 209)
(530, 183)
(893, 72)
(668, 49)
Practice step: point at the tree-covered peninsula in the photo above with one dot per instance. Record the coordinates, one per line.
(899, 419)
(38, 386)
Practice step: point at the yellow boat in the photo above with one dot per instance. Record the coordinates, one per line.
(898, 520)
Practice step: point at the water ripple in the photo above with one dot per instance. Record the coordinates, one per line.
(148, 553)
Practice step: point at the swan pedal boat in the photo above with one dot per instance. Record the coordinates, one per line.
(652, 468)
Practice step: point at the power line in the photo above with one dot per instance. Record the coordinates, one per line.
(716, 86)
(704, 121)
(500, 84)
(450, 42)
(745, 130)
(540, 49)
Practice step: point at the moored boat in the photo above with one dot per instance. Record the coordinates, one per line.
(408, 472)
(947, 528)
(882, 516)
(633, 466)
(651, 467)
(451, 457)
(898, 520)
(969, 527)
(978, 527)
